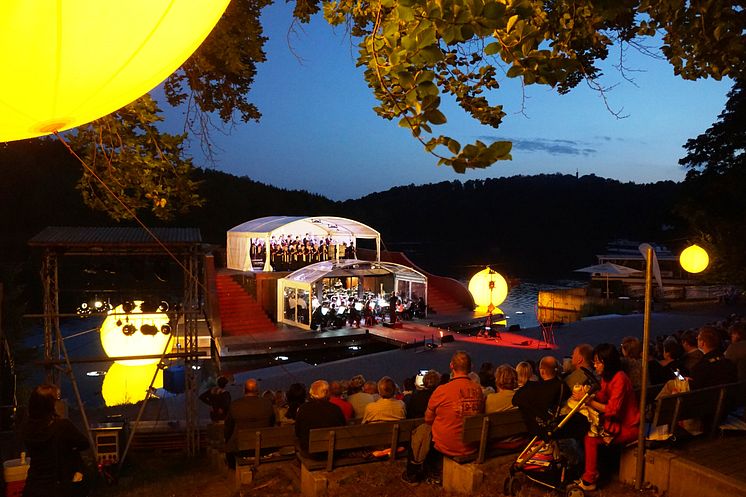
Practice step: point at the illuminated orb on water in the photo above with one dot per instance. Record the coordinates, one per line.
(117, 344)
(66, 63)
(694, 259)
(129, 384)
(479, 287)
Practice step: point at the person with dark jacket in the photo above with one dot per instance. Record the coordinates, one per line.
(218, 399)
(250, 411)
(417, 402)
(714, 369)
(53, 445)
(318, 412)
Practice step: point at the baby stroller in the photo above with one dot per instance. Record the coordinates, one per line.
(546, 460)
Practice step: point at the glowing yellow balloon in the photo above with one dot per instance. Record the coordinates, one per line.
(66, 63)
(694, 259)
(117, 344)
(479, 287)
(129, 384)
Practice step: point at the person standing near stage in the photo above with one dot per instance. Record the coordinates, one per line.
(394, 302)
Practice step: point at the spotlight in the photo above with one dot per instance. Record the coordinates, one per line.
(128, 306)
(98, 305)
(149, 307)
(129, 329)
(148, 329)
(166, 329)
(163, 307)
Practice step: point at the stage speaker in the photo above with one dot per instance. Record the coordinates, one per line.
(447, 339)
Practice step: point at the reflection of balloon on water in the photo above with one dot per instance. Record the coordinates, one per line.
(129, 384)
(694, 259)
(488, 287)
(122, 333)
(68, 63)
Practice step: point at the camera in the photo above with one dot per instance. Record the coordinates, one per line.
(419, 379)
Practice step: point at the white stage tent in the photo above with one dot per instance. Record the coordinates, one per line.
(296, 291)
(338, 229)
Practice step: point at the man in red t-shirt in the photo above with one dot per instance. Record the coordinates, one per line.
(450, 404)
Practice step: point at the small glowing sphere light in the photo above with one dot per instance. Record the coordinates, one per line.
(694, 259)
(117, 343)
(479, 287)
(66, 63)
(129, 384)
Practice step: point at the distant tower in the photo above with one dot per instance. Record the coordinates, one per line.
(576, 173)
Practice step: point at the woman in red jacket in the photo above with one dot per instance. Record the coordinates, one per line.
(617, 402)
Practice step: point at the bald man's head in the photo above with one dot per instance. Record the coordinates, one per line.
(251, 388)
(548, 367)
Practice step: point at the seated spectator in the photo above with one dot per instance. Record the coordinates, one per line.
(250, 411)
(525, 373)
(357, 397)
(335, 397)
(632, 360)
(665, 369)
(714, 369)
(386, 408)
(318, 412)
(617, 401)
(736, 351)
(506, 381)
(371, 388)
(692, 355)
(582, 357)
(420, 397)
(540, 401)
(281, 409)
(296, 396)
(218, 399)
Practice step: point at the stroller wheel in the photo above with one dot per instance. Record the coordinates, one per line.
(512, 486)
(574, 491)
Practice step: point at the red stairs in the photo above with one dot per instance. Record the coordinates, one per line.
(442, 303)
(240, 314)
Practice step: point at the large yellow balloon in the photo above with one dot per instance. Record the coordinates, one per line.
(117, 344)
(67, 62)
(479, 287)
(129, 384)
(694, 259)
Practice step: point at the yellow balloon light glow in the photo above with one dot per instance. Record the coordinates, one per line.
(479, 287)
(66, 63)
(129, 384)
(694, 259)
(117, 344)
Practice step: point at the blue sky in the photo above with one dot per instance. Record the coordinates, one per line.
(319, 133)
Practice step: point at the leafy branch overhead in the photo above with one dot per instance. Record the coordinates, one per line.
(416, 52)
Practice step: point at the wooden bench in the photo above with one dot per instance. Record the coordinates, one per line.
(464, 474)
(276, 443)
(330, 448)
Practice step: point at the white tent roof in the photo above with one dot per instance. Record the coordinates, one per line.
(300, 225)
(354, 267)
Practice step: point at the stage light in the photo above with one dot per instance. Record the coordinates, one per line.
(68, 63)
(488, 287)
(694, 259)
(166, 329)
(127, 306)
(123, 341)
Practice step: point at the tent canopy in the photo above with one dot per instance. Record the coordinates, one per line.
(354, 267)
(339, 229)
(269, 226)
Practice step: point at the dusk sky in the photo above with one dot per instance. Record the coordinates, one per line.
(318, 131)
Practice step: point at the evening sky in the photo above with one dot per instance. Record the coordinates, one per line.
(318, 131)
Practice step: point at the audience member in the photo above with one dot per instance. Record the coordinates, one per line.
(420, 397)
(357, 397)
(218, 399)
(525, 373)
(250, 411)
(692, 355)
(371, 388)
(386, 408)
(665, 369)
(296, 397)
(540, 401)
(318, 412)
(714, 369)
(506, 381)
(632, 360)
(617, 401)
(582, 357)
(335, 397)
(736, 351)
